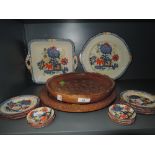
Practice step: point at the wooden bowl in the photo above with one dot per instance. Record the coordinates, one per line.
(80, 87)
(68, 107)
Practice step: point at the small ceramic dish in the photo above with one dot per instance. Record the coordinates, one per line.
(121, 111)
(49, 57)
(106, 53)
(40, 117)
(19, 106)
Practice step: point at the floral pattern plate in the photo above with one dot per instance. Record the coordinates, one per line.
(40, 117)
(106, 53)
(19, 105)
(50, 57)
(138, 98)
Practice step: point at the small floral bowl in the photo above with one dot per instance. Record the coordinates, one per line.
(40, 117)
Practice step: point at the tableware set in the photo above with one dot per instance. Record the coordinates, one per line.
(105, 57)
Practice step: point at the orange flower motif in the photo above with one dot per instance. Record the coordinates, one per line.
(49, 66)
(123, 116)
(43, 118)
(100, 61)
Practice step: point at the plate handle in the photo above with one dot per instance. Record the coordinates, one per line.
(28, 62)
(75, 62)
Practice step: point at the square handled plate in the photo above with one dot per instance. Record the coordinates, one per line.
(49, 57)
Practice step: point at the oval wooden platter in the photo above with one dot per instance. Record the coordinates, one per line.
(67, 107)
(80, 88)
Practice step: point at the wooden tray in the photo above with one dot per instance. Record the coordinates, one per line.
(62, 106)
(80, 87)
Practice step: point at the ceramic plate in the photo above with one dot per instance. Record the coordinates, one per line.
(138, 98)
(40, 117)
(47, 58)
(106, 53)
(19, 104)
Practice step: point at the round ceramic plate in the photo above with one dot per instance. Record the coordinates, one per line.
(40, 117)
(106, 53)
(19, 104)
(138, 98)
(122, 111)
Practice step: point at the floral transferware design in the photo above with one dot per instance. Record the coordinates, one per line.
(138, 98)
(18, 106)
(40, 116)
(106, 53)
(104, 57)
(121, 111)
(49, 57)
(53, 61)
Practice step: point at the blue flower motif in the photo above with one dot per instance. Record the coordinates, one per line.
(25, 102)
(118, 108)
(134, 97)
(105, 48)
(53, 52)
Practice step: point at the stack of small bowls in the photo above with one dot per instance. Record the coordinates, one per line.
(122, 114)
